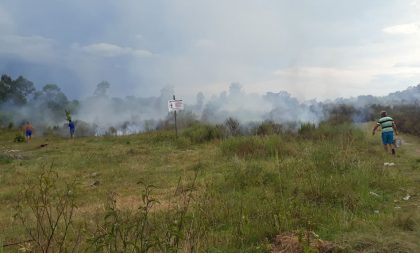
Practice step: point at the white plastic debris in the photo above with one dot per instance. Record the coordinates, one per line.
(389, 164)
(376, 211)
(407, 197)
(374, 194)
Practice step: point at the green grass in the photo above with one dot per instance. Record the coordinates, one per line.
(247, 189)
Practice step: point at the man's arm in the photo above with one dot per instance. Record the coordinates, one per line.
(374, 129)
(394, 126)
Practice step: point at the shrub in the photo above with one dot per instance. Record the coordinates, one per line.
(307, 130)
(19, 138)
(202, 133)
(232, 126)
(268, 127)
(124, 231)
(45, 209)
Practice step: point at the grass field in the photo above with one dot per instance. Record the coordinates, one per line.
(153, 192)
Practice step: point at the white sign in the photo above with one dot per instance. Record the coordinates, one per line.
(175, 105)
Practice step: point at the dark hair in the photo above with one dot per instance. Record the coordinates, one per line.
(383, 114)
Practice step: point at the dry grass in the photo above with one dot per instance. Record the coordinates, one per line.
(248, 190)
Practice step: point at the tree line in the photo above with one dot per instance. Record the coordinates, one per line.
(20, 101)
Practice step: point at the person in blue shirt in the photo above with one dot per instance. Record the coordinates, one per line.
(388, 128)
(72, 128)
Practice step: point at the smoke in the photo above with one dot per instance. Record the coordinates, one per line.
(123, 116)
(101, 114)
(278, 107)
(134, 114)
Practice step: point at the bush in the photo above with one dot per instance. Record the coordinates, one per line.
(232, 126)
(268, 127)
(46, 208)
(84, 129)
(307, 130)
(19, 138)
(203, 133)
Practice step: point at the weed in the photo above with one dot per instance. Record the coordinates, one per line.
(200, 133)
(45, 209)
(233, 127)
(19, 138)
(123, 231)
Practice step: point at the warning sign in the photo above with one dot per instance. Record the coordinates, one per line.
(175, 105)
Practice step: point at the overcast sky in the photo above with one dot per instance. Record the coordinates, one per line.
(312, 49)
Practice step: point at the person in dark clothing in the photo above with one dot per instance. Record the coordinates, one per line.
(72, 128)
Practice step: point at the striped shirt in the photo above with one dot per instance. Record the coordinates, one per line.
(386, 124)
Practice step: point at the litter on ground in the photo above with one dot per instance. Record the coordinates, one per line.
(407, 197)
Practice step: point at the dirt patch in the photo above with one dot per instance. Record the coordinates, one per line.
(294, 242)
(11, 154)
(126, 203)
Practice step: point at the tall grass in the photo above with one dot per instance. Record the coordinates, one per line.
(234, 194)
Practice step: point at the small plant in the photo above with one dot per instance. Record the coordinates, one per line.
(123, 231)
(268, 128)
(45, 209)
(19, 138)
(202, 133)
(178, 223)
(307, 130)
(233, 126)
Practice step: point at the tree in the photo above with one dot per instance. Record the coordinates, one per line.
(101, 89)
(15, 91)
(52, 99)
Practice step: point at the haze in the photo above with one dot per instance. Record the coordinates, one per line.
(312, 49)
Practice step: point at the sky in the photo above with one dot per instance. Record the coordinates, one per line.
(320, 49)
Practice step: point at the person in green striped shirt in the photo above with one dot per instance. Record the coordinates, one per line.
(388, 128)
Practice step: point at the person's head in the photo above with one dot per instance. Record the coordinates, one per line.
(383, 114)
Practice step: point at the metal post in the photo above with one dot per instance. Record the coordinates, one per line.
(176, 127)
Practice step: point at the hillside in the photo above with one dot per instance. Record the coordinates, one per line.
(199, 193)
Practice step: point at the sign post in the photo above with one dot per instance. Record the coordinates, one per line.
(174, 106)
